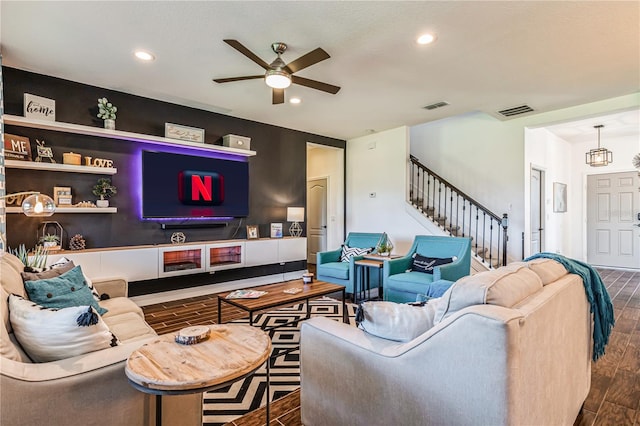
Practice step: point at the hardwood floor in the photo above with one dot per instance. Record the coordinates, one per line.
(614, 398)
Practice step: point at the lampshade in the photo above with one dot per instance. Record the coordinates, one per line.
(278, 79)
(598, 157)
(38, 205)
(295, 214)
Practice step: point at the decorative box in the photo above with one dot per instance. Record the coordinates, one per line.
(235, 141)
(71, 158)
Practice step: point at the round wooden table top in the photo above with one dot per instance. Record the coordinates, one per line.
(231, 352)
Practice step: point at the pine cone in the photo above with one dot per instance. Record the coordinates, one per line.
(77, 242)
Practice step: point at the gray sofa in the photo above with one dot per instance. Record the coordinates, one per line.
(509, 347)
(89, 389)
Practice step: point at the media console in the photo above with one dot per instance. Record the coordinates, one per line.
(148, 262)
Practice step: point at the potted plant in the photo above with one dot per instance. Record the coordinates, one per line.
(105, 190)
(34, 261)
(385, 247)
(50, 241)
(107, 111)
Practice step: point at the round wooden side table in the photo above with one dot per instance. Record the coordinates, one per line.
(164, 367)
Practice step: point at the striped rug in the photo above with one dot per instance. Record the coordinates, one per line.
(226, 404)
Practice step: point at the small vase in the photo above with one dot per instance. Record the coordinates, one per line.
(110, 124)
(102, 203)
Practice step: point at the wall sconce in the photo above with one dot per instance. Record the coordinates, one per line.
(34, 205)
(295, 215)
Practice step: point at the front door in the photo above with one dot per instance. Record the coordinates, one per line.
(316, 217)
(613, 205)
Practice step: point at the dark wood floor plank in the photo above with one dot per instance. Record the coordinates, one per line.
(615, 415)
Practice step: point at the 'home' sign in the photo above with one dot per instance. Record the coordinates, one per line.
(39, 108)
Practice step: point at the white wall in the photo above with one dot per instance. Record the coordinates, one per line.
(553, 155)
(485, 157)
(328, 162)
(377, 164)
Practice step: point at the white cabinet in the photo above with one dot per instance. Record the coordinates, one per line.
(134, 264)
(261, 252)
(292, 249)
(90, 262)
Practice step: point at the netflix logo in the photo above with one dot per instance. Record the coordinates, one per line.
(200, 188)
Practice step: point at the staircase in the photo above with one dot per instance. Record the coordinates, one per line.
(457, 214)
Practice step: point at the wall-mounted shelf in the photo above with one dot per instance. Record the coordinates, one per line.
(120, 135)
(71, 210)
(54, 167)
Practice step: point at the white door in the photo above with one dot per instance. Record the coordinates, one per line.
(537, 211)
(316, 218)
(613, 205)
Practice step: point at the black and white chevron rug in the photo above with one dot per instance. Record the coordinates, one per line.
(226, 404)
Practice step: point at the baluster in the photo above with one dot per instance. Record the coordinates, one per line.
(477, 218)
(464, 208)
(484, 239)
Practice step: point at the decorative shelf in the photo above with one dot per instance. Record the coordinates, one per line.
(71, 210)
(120, 135)
(54, 167)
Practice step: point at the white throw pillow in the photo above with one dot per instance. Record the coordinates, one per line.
(53, 334)
(396, 321)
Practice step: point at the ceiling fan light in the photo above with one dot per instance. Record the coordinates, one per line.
(277, 79)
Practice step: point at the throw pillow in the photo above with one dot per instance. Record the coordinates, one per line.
(53, 334)
(68, 289)
(49, 273)
(426, 264)
(349, 252)
(64, 263)
(396, 321)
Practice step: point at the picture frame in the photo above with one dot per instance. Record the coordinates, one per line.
(62, 196)
(17, 147)
(39, 108)
(252, 232)
(184, 133)
(559, 197)
(276, 230)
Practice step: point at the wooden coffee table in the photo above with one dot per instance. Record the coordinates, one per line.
(276, 297)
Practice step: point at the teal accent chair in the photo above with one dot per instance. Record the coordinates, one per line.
(401, 286)
(329, 268)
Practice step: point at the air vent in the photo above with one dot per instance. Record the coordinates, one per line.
(436, 105)
(510, 112)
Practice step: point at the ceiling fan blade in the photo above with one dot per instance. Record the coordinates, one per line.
(227, 80)
(246, 52)
(307, 60)
(318, 85)
(278, 96)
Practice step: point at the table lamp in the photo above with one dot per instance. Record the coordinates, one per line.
(295, 215)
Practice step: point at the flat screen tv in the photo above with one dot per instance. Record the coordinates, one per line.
(186, 186)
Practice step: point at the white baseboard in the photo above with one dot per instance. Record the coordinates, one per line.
(185, 293)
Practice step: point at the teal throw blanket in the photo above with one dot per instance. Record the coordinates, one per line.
(597, 295)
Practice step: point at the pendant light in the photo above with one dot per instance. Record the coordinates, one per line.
(600, 156)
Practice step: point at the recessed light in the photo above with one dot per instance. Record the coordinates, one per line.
(426, 38)
(295, 100)
(144, 56)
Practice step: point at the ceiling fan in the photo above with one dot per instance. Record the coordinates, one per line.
(279, 75)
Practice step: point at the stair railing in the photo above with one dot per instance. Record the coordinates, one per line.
(458, 214)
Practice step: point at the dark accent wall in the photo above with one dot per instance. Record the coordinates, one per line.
(277, 174)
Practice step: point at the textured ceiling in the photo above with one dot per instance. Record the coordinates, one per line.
(488, 55)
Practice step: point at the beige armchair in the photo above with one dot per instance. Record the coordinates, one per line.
(89, 389)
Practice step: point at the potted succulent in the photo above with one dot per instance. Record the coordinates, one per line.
(105, 190)
(107, 111)
(50, 241)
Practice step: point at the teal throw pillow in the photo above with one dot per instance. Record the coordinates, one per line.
(67, 290)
